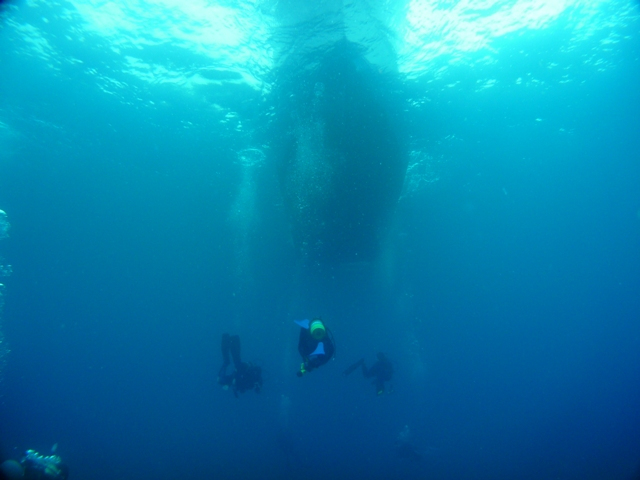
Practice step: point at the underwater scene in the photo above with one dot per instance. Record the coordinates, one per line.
(320, 239)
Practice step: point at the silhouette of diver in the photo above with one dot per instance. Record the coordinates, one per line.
(404, 447)
(34, 466)
(246, 376)
(289, 449)
(382, 370)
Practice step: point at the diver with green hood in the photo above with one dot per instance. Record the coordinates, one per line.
(316, 345)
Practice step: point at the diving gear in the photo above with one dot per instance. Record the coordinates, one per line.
(302, 370)
(317, 329)
(319, 350)
(50, 466)
(303, 323)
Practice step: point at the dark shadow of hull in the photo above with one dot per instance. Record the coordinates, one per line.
(341, 164)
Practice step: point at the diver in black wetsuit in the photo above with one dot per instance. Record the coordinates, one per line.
(382, 370)
(315, 345)
(246, 376)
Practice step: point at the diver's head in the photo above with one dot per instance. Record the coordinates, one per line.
(317, 330)
(381, 356)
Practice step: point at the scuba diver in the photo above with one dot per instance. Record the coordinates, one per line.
(246, 376)
(405, 448)
(382, 370)
(315, 345)
(35, 467)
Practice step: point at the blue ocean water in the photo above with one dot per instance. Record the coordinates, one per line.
(456, 184)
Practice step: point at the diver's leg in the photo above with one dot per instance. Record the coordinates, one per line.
(365, 371)
(235, 351)
(379, 386)
(353, 367)
(223, 378)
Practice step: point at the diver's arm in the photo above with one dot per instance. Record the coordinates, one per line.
(316, 361)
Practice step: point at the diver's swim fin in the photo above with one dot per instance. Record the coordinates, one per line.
(353, 367)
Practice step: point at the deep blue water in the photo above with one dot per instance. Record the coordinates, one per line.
(147, 218)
